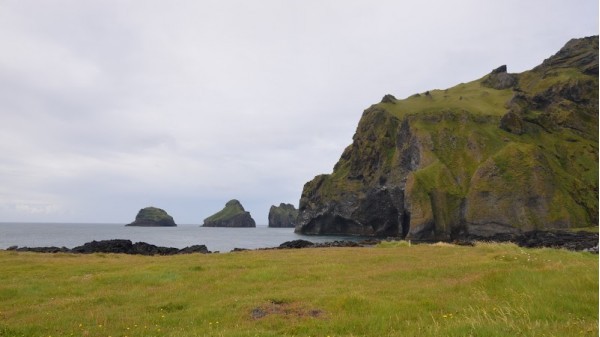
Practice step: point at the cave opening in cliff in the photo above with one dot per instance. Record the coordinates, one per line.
(405, 223)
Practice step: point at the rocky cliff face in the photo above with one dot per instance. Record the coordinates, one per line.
(153, 217)
(232, 215)
(283, 215)
(503, 154)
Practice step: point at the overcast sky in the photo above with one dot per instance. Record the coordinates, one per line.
(110, 106)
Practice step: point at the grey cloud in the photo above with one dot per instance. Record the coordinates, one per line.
(109, 106)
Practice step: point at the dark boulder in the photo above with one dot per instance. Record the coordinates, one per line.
(143, 248)
(338, 244)
(500, 69)
(389, 99)
(105, 246)
(500, 79)
(51, 249)
(194, 249)
(296, 244)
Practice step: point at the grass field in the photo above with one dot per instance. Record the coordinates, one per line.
(390, 290)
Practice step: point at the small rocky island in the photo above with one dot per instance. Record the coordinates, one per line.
(283, 216)
(153, 217)
(233, 215)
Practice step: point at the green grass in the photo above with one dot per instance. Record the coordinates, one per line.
(232, 208)
(392, 290)
(153, 214)
(472, 97)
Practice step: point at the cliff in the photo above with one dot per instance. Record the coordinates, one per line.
(506, 153)
(232, 215)
(283, 215)
(153, 217)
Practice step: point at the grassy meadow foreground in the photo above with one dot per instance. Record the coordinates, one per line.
(390, 290)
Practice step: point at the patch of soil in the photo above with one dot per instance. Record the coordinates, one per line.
(285, 309)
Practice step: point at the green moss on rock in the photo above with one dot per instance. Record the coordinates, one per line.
(283, 215)
(232, 215)
(153, 217)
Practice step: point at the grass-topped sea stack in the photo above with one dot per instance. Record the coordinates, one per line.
(503, 154)
(233, 215)
(153, 217)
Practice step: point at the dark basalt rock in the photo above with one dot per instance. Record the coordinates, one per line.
(105, 246)
(500, 79)
(558, 239)
(232, 215)
(138, 248)
(389, 99)
(283, 215)
(500, 69)
(117, 247)
(153, 217)
(296, 244)
(577, 241)
(51, 249)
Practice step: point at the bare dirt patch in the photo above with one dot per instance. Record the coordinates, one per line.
(285, 309)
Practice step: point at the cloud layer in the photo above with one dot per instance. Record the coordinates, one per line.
(110, 106)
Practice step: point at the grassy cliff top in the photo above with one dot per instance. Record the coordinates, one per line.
(472, 97)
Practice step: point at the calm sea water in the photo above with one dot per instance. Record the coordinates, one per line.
(216, 239)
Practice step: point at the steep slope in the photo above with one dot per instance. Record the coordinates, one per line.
(283, 215)
(232, 215)
(502, 154)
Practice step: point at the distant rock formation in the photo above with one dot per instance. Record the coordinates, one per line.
(283, 215)
(233, 215)
(153, 217)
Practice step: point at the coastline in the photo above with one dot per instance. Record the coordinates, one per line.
(574, 241)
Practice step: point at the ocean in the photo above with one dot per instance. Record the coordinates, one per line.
(216, 239)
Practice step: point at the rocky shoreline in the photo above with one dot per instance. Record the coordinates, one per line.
(116, 247)
(575, 241)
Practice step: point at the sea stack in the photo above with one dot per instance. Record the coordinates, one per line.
(233, 215)
(153, 217)
(283, 216)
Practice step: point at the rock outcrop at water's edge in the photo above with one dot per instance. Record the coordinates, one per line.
(116, 247)
(283, 215)
(153, 217)
(505, 154)
(577, 241)
(232, 215)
